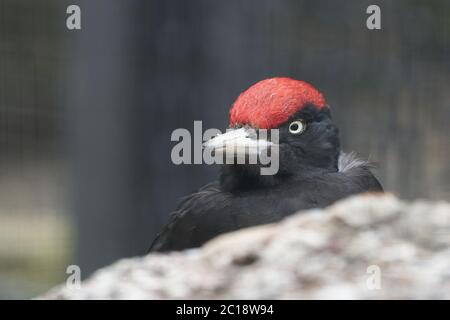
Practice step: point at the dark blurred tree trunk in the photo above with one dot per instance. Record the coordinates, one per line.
(101, 107)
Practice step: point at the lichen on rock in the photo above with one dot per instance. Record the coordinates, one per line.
(370, 246)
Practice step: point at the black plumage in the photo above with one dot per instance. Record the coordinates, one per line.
(313, 173)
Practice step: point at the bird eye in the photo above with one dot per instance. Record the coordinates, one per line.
(297, 127)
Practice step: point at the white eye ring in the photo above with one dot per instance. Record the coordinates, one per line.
(297, 127)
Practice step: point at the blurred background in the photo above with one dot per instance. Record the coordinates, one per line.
(86, 115)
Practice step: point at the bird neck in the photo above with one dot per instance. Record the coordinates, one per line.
(237, 178)
(245, 177)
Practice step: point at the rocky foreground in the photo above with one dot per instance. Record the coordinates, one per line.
(365, 247)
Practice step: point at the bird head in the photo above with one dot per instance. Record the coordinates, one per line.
(307, 139)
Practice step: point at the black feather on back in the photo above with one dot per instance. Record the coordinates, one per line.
(212, 211)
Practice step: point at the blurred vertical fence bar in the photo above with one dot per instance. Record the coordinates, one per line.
(101, 104)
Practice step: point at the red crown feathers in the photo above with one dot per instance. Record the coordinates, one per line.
(271, 102)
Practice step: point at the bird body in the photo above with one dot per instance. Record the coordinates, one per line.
(212, 211)
(313, 172)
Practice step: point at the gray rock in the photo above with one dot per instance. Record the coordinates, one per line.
(370, 246)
